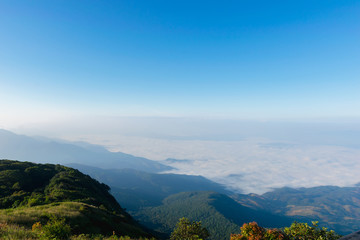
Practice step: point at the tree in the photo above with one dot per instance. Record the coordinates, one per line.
(186, 230)
(252, 231)
(297, 231)
(55, 229)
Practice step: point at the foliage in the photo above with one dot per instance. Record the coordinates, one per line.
(136, 189)
(11, 231)
(29, 184)
(186, 230)
(220, 214)
(101, 237)
(301, 231)
(56, 229)
(192, 205)
(15, 232)
(252, 231)
(36, 193)
(297, 231)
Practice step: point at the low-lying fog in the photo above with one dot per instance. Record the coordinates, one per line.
(246, 156)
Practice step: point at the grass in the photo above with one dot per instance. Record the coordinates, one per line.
(16, 232)
(83, 218)
(61, 201)
(29, 215)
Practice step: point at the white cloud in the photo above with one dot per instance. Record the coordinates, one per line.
(256, 165)
(269, 155)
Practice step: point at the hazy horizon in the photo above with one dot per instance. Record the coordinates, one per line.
(246, 156)
(255, 94)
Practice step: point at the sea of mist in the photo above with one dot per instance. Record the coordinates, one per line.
(245, 156)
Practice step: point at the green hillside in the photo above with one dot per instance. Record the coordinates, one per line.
(218, 213)
(144, 194)
(137, 189)
(38, 192)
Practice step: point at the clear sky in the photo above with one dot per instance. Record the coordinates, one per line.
(231, 59)
(266, 90)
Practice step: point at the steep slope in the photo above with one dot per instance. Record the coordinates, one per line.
(136, 189)
(335, 207)
(42, 150)
(220, 214)
(34, 192)
(352, 236)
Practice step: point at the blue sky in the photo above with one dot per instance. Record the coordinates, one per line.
(228, 59)
(270, 88)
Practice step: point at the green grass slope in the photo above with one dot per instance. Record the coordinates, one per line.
(83, 218)
(32, 193)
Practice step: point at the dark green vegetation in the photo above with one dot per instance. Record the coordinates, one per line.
(146, 196)
(189, 230)
(218, 213)
(33, 193)
(159, 200)
(137, 189)
(42, 150)
(335, 207)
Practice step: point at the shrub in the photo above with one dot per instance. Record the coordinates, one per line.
(186, 230)
(297, 231)
(56, 229)
(36, 227)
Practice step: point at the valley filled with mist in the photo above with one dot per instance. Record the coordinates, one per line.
(180, 120)
(245, 156)
(271, 183)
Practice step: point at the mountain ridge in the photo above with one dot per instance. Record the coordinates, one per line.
(147, 189)
(37, 149)
(335, 207)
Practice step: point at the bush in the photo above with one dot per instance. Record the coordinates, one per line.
(297, 231)
(56, 229)
(186, 230)
(252, 231)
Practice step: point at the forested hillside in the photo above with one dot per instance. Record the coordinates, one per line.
(136, 189)
(218, 213)
(33, 193)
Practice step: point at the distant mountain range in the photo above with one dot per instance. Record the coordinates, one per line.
(43, 150)
(159, 200)
(335, 207)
